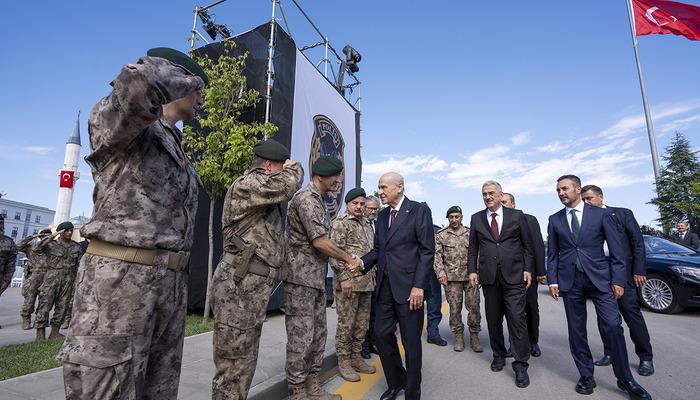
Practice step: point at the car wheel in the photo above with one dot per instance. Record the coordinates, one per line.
(658, 295)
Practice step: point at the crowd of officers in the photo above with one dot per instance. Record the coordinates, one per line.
(49, 276)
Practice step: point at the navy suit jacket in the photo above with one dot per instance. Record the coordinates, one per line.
(598, 226)
(406, 251)
(632, 242)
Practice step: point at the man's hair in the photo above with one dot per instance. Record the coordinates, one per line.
(512, 198)
(492, 183)
(257, 162)
(372, 198)
(683, 222)
(595, 189)
(575, 179)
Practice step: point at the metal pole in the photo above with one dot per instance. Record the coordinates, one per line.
(194, 28)
(325, 58)
(270, 54)
(647, 112)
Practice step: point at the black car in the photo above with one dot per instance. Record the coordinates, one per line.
(673, 276)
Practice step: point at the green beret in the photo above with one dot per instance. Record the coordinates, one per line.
(327, 166)
(64, 226)
(45, 231)
(453, 209)
(271, 150)
(179, 58)
(353, 193)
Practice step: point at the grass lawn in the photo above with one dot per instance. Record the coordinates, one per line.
(22, 359)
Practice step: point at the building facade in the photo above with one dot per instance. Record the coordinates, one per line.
(22, 219)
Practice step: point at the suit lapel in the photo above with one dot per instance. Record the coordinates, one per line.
(401, 216)
(487, 223)
(565, 224)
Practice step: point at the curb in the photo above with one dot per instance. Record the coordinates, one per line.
(275, 388)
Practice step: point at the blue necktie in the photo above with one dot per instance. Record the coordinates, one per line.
(575, 230)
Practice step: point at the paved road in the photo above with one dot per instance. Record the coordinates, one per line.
(449, 375)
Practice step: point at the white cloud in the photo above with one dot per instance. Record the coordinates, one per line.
(679, 124)
(407, 165)
(552, 147)
(520, 138)
(415, 189)
(628, 125)
(38, 150)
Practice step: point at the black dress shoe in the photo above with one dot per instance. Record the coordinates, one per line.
(391, 393)
(633, 389)
(497, 364)
(535, 350)
(585, 385)
(646, 368)
(603, 361)
(365, 354)
(509, 353)
(437, 341)
(373, 349)
(522, 380)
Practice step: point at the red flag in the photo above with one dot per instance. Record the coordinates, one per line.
(66, 179)
(664, 17)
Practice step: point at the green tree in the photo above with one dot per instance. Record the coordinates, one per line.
(678, 187)
(221, 147)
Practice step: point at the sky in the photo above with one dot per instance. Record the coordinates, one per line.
(453, 92)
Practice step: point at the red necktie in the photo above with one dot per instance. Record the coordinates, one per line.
(392, 217)
(494, 226)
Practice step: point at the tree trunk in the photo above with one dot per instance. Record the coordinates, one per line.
(210, 268)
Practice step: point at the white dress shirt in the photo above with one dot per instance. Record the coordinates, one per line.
(499, 217)
(397, 208)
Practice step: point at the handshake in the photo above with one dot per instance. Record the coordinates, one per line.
(353, 264)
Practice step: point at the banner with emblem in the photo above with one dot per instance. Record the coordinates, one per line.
(323, 123)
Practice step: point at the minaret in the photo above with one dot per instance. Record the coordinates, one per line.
(68, 176)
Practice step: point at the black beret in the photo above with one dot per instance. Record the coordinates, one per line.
(353, 193)
(327, 166)
(453, 209)
(271, 150)
(179, 58)
(2, 217)
(64, 225)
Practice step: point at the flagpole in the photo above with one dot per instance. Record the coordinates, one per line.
(647, 112)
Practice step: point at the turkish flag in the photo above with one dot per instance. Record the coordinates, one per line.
(66, 179)
(664, 17)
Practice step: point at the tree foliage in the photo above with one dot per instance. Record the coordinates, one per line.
(678, 188)
(221, 149)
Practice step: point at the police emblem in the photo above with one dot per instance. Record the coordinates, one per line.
(327, 140)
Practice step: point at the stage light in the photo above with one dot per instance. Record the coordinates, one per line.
(211, 28)
(352, 57)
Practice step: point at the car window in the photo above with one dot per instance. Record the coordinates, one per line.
(656, 245)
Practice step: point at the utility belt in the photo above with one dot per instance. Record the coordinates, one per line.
(253, 266)
(177, 260)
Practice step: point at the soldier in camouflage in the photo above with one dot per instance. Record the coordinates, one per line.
(239, 298)
(34, 271)
(309, 246)
(451, 249)
(127, 330)
(353, 291)
(61, 257)
(8, 258)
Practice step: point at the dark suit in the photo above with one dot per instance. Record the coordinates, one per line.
(690, 240)
(596, 227)
(532, 308)
(635, 263)
(404, 256)
(500, 265)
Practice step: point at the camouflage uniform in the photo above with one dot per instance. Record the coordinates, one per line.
(8, 258)
(127, 331)
(305, 285)
(451, 249)
(355, 236)
(55, 292)
(252, 205)
(34, 272)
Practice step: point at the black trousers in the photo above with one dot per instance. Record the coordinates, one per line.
(388, 314)
(503, 299)
(532, 312)
(629, 308)
(608, 319)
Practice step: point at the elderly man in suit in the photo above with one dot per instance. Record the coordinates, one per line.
(578, 269)
(404, 250)
(500, 258)
(685, 237)
(635, 264)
